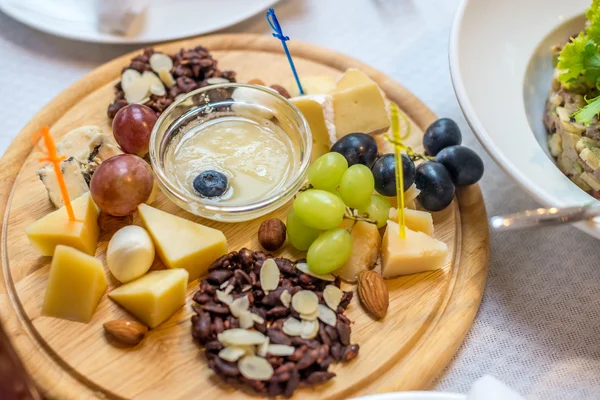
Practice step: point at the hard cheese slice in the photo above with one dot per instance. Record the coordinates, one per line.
(154, 297)
(358, 105)
(420, 221)
(416, 253)
(75, 285)
(55, 228)
(365, 248)
(318, 111)
(313, 84)
(181, 243)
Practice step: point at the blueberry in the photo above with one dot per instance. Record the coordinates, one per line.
(384, 172)
(357, 148)
(441, 134)
(210, 183)
(435, 184)
(463, 164)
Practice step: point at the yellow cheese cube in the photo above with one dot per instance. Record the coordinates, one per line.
(313, 84)
(420, 221)
(365, 249)
(358, 105)
(318, 111)
(56, 228)
(181, 243)
(416, 253)
(154, 297)
(75, 285)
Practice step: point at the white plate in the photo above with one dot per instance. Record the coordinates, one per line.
(163, 20)
(501, 68)
(414, 396)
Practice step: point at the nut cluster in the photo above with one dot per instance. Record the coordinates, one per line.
(265, 323)
(192, 69)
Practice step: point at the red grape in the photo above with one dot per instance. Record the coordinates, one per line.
(132, 127)
(121, 183)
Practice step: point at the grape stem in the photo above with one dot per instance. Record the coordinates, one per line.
(417, 156)
(351, 213)
(306, 186)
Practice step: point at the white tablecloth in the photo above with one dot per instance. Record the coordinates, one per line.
(538, 328)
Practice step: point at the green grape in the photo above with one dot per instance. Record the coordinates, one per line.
(378, 209)
(330, 251)
(356, 186)
(325, 173)
(299, 235)
(319, 209)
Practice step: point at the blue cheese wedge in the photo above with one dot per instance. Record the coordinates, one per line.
(74, 179)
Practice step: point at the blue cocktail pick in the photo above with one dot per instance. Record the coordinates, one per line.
(272, 20)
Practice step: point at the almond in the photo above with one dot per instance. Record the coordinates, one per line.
(125, 331)
(373, 293)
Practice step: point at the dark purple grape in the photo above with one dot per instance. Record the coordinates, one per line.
(435, 184)
(441, 134)
(463, 164)
(357, 148)
(384, 172)
(210, 183)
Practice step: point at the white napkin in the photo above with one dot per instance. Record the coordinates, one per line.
(489, 388)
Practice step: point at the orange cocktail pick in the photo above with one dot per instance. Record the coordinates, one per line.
(55, 159)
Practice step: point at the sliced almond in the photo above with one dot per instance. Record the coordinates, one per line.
(286, 298)
(262, 349)
(239, 305)
(305, 302)
(257, 318)
(229, 289)
(254, 367)
(232, 353)
(160, 61)
(280, 350)
(165, 76)
(143, 101)
(245, 288)
(136, 91)
(224, 297)
(128, 76)
(309, 329)
(324, 277)
(326, 315)
(310, 317)
(292, 327)
(224, 285)
(246, 321)
(250, 350)
(155, 84)
(332, 296)
(240, 337)
(216, 80)
(269, 275)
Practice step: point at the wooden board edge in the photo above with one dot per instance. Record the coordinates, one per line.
(49, 375)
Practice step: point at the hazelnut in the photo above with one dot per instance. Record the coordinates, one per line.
(256, 81)
(271, 234)
(281, 90)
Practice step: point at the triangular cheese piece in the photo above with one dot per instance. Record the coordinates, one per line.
(75, 285)
(55, 228)
(416, 220)
(313, 84)
(318, 111)
(416, 253)
(353, 77)
(155, 297)
(181, 243)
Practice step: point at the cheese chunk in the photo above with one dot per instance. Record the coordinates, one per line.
(80, 143)
(313, 84)
(420, 221)
(365, 249)
(416, 253)
(181, 243)
(154, 297)
(55, 228)
(75, 285)
(318, 111)
(74, 179)
(358, 105)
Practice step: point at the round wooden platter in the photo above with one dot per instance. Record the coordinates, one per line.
(429, 313)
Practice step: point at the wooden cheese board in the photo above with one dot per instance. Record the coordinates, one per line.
(429, 313)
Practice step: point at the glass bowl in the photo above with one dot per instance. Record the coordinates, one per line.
(203, 107)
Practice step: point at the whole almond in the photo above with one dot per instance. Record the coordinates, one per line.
(125, 331)
(281, 90)
(373, 293)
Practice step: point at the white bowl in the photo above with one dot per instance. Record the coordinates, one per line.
(500, 64)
